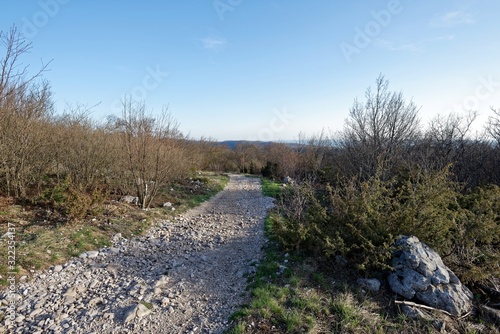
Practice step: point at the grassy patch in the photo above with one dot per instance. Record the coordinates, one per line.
(304, 299)
(279, 301)
(44, 239)
(148, 305)
(271, 188)
(192, 192)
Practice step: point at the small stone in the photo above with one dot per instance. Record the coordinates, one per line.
(95, 301)
(112, 269)
(142, 310)
(14, 297)
(92, 254)
(94, 284)
(58, 268)
(109, 316)
(71, 292)
(161, 281)
(412, 312)
(371, 284)
(137, 311)
(35, 312)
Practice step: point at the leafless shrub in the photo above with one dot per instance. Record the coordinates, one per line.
(249, 158)
(25, 105)
(153, 150)
(493, 126)
(215, 157)
(82, 151)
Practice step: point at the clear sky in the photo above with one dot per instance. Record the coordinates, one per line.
(241, 69)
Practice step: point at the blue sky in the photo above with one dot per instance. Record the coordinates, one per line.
(241, 69)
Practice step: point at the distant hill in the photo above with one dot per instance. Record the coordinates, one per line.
(233, 143)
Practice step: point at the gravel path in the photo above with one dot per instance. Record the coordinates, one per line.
(187, 275)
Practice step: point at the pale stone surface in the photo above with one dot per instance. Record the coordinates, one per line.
(421, 274)
(187, 269)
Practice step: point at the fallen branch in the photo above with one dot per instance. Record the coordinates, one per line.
(465, 315)
(422, 306)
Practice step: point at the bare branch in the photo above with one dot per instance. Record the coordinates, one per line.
(493, 126)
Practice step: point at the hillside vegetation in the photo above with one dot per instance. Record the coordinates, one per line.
(354, 191)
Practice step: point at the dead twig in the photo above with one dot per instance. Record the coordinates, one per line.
(422, 306)
(465, 315)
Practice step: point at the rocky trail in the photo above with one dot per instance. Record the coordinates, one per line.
(186, 275)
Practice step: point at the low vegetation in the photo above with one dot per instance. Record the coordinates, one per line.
(299, 290)
(354, 193)
(361, 219)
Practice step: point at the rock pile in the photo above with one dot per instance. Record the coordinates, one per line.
(185, 275)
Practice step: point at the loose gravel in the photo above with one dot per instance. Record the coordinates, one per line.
(186, 275)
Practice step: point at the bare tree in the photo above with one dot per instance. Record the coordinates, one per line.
(151, 146)
(377, 130)
(13, 74)
(445, 139)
